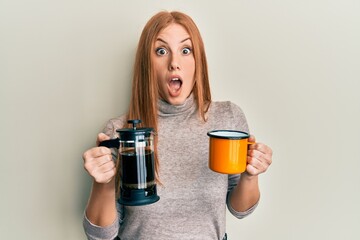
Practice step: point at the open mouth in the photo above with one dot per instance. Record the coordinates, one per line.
(175, 84)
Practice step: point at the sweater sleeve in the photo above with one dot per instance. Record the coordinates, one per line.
(240, 124)
(94, 232)
(236, 213)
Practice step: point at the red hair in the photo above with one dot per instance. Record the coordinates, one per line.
(145, 95)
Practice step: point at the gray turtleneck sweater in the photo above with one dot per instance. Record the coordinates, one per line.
(193, 198)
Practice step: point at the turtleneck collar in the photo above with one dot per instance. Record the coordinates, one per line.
(166, 109)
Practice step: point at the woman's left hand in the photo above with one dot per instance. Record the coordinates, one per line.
(259, 157)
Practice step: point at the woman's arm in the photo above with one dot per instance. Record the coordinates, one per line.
(246, 194)
(101, 207)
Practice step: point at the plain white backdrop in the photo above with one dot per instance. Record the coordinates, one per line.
(293, 67)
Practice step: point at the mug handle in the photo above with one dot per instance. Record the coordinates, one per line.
(112, 143)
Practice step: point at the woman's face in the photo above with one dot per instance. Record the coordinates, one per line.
(174, 64)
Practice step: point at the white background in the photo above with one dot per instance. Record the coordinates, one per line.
(293, 67)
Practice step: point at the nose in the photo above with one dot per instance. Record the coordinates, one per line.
(174, 63)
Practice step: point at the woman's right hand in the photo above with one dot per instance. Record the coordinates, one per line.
(98, 162)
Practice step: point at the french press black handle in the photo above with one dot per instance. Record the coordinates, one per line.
(112, 143)
(115, 143)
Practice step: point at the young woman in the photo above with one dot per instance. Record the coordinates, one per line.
(171, 94)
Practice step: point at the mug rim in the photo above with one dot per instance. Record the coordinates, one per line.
(245, 134)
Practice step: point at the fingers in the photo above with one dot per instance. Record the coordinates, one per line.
(252, 138)
(96, 152)
(104, 173)
(259, 158)
(100, 166)
(98, 162)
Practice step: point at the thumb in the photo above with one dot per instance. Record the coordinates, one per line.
(101, 137)
(252, 138)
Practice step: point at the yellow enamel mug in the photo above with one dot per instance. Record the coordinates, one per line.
(228, 151)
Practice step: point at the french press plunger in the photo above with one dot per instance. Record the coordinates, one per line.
(136, 169)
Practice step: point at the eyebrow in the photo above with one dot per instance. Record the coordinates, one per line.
(161, 40)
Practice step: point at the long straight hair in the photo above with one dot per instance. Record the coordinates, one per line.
(145, 93)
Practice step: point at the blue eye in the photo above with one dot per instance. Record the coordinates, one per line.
(161, 51)
(186, 51)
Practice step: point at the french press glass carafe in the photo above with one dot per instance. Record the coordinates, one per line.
(136, 169)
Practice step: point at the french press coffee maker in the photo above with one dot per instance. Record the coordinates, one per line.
(136, 169)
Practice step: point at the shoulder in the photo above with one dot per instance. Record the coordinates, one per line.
(225, 107)
(113, 124)
(230, 113)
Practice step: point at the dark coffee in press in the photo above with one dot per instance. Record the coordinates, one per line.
(142, 164)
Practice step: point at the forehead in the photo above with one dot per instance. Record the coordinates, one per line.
(173, 31)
